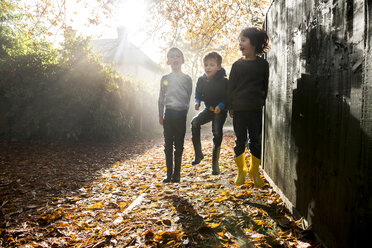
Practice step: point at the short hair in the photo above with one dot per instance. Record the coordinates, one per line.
(258, 38)
(213, 55)
(174, 49)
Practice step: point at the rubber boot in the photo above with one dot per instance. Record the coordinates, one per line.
(198, 151)
(215, 157)
(169, 163)
(177, 170)
(242, 169)
(254, 173)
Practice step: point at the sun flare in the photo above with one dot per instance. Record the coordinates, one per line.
(131, 14)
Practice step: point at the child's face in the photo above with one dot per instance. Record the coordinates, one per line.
(211, 67)
(175, 60)
(245, 46)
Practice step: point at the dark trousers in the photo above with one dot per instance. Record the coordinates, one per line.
(174, 125)
(204, 117)
(248, 124)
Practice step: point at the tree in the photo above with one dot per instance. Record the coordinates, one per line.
(43, 18)
(200, 26)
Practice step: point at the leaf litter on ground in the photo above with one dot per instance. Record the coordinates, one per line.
(112, 195)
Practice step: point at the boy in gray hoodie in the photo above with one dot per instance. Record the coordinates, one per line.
(173, 104)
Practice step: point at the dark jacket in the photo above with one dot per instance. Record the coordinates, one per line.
(213, 92)
(248, 84)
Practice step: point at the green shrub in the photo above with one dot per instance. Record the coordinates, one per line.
(66, 93)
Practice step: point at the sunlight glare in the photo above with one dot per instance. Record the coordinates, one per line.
(131, 14)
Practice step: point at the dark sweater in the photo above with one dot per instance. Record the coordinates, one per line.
(248, 83)
(214, 91)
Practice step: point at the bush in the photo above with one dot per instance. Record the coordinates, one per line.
(67, 93)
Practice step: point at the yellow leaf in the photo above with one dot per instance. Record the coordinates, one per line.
(63, 224)
(95, 206)
(220, 199)
(123, 204)
(194, 187)
(214, 225)
(211, 210)
(299, 222)
(233, 198)
(242, 194)
(171, 242)
(258, 222)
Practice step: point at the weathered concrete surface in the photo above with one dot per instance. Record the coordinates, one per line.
(318, 116)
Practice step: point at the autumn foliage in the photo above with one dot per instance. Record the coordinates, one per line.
(201, 26)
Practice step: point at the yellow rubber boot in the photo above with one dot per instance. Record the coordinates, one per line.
(254, 173)
(242, 169)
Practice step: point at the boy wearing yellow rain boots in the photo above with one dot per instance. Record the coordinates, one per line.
(247, 91)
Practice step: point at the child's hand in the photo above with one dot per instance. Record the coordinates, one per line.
(161, 120)
(231, 113)
(197, 105)
(217, 110)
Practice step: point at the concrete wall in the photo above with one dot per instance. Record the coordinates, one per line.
(318, 115)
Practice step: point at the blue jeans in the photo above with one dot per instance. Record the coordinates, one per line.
(205, 116)
(248, 124)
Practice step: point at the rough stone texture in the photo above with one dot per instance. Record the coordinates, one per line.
(318, 116)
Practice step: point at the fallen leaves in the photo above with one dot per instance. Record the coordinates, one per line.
(214, 225)
(114, 196)
(95, 206)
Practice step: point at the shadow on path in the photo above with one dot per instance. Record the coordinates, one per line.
(36, 174)
(196, 230)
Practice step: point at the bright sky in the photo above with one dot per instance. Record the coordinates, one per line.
(130, 13)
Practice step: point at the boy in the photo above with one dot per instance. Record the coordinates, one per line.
(210, 88)
(174, 97)
(247, 91)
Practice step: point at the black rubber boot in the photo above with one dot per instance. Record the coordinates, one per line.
(198, 151)
(169, 163)
(177, 170)
(215, 157)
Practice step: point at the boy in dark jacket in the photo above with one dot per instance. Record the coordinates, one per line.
(212, 89)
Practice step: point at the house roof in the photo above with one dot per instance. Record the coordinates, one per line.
(122, 51)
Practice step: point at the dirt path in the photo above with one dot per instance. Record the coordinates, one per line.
(112, 195)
